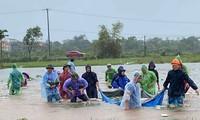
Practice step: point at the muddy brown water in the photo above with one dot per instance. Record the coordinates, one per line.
(31, 106)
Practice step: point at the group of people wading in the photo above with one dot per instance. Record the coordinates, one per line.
(69, 85)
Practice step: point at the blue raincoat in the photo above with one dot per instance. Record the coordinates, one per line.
(45, 86)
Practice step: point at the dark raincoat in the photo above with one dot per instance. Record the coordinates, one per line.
(91, 78)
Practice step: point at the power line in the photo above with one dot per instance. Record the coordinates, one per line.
(125, 18)
(18, 12)
(103, 16)
(126, 34)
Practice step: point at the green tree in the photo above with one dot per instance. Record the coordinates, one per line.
(109, 43)
(80, 43)
(32, 34)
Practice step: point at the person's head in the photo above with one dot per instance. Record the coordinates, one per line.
(152, 65)
(175, 64)
(66, 68)
(109, 66)
(14, 66)
(137, 77)
(144, 69)
(72, 59)
(88, 68)
(121, 70)
(74, 76)
(50, 68)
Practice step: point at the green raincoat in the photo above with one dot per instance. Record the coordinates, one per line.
(15, 80)
(109, 75)
(148, 82)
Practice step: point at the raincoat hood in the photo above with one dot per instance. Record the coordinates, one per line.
(136, 74)
(88, 66)
(151, 63)
(14, 66)
(144, 67)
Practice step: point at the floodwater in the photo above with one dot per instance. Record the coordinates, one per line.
(31, 106)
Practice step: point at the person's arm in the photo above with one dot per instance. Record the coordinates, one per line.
(106, 79)
(158, 85)
(115, 85)
(165, 84)
(85, 83)
(44, 82)
(157, 76)
(191, 83)
(66, 85)
(127, 93)
(153, 79)
(97, 84)
(96, 80)
(126, 104)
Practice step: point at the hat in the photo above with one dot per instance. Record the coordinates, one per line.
(121, 68)
(108, 65)
(175, 61)
(137, 74)
(50, 66)
(66, 66)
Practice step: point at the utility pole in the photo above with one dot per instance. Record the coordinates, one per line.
(49, 42)
(145, 46)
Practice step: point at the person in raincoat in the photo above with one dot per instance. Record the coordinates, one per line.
(110, 72)
(15, 80)
(148, 82)
(50, 84)
(93, 83)
(72, 66)
(76, 87)
(176, 91)
(62, 78)
(132, 94)
(120, 79)
(152, 67)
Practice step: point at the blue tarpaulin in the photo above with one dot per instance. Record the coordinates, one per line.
(157, 100)
(151, 102)
(109, 100)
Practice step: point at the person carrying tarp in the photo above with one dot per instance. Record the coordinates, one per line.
(62, 78)
(49, 85)
(15, 80)
(176, 90)
(120, 79)
(93, 83)
(76, 87)
(148, 82)
(131, 97)
(110, 72)
(152, 67)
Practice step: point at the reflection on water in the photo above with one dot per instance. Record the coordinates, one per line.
(79, 104)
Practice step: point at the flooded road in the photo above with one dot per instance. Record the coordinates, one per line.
(31, 106)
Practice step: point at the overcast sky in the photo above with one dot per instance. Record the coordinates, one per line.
(162, 18)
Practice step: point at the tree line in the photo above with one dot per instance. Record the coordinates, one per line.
(110, 44)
